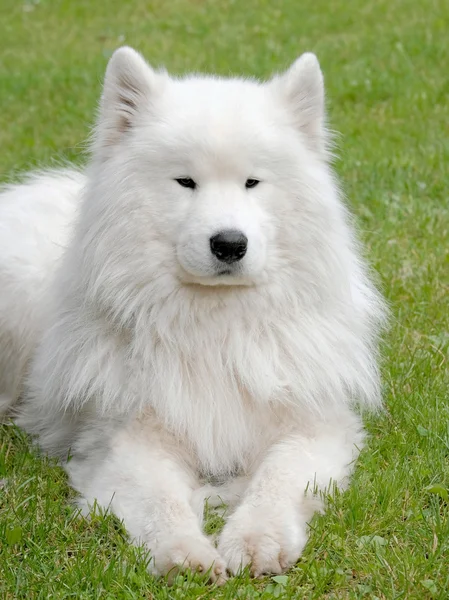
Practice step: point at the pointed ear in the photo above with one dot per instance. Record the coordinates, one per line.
(129, 86)
(302, 89)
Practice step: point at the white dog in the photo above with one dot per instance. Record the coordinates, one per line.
(191, 316)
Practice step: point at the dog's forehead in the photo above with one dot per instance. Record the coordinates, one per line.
(218, 116)
(214, 102)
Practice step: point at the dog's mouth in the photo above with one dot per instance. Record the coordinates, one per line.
(221, 277)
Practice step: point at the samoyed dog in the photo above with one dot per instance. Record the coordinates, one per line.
(190, 317)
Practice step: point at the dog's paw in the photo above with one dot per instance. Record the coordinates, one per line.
(180, 553)
(267, 541)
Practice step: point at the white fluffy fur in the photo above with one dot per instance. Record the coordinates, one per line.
(129, 351)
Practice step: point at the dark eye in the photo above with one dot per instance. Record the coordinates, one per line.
(186, 182)
(250, 183)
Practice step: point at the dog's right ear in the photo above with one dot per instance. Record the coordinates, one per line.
(301, 88)
(129, 86)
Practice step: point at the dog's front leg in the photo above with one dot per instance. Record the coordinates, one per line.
(269, 529)
(145, 479)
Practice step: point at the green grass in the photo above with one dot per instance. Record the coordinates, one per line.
(386, 68)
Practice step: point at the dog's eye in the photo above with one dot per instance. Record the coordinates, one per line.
(250, 183)
(186, 182)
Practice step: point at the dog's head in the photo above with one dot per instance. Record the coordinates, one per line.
(214, 178)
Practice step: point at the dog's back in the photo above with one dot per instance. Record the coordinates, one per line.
(36, 219)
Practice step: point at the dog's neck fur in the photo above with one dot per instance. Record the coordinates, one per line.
(195, 357)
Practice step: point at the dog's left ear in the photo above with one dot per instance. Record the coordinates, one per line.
(302, 89)
(130, 86)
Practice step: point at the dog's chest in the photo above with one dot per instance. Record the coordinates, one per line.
(218, 381)
(210, 410)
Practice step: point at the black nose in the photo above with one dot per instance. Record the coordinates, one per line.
(229, 246)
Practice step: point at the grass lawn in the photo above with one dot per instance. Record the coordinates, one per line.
(386, 67)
